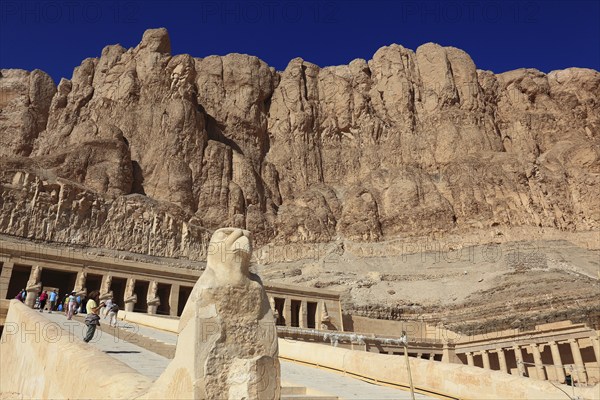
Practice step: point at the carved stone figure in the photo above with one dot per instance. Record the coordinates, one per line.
(80, 288)
(227, 345)
(130, 297)
(105, 291)
(152, 299)
(33, 286)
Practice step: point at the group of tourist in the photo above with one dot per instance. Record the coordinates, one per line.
(73, 304)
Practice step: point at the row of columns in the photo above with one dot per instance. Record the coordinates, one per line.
(34, 287)
(579, 371)
(321, 317)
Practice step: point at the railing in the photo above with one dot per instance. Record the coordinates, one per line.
(336, 338)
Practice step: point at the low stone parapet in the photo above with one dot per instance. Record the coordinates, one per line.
(440, 379)
(40, 360)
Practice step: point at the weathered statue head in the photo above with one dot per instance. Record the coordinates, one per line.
(229, 254)
(227, 345)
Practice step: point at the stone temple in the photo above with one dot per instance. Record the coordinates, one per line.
(402, 227)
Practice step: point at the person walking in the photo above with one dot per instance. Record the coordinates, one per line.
(43, 299)
(108, 303)
(112, 314)
(53, 297)
(92, 320)
(72, 305)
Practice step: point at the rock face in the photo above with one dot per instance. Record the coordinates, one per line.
(407, 143)
(227, 343)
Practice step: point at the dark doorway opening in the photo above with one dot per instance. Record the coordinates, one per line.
(184, 294)
(163, 291)
(18, 280)
(118, 287)
(93, 282)
(296, 304)
(279, 305)
(311, 316)
(141, 290)
(64, 281)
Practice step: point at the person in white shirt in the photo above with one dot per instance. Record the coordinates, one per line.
(109, 303)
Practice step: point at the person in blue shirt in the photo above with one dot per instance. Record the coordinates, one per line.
(53, 297)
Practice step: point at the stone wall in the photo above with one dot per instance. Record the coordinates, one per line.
(436, 378)
(40, 360)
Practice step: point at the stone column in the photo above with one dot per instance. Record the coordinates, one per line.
(130, 297)
(33, 286)
(519, 358)
(557, 361)
(105, 291)
(502, 361)
(449, 353)
(287, 311)
(470, 360)
(431, 355)
(486, 359)
(174, 300)
(596, 346)
(80, 283)
(303, 317)
(7, 269)
(579, 365)
(537, 359)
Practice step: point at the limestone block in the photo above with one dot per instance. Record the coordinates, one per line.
(227, 345)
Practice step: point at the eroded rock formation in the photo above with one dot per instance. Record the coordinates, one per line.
(410, 142)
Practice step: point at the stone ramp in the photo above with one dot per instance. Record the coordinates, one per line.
(298, 381)
(115, 344)
(130, 344)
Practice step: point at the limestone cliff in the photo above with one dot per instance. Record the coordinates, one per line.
(149, 152)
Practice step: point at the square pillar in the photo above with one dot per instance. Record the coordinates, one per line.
(303, 317)
(596, 346)
(7, 269)
(519, 358)
(580, 372)
(537, 359)
(485, 356)
(502, 361)
(557, 361)
(287, 311)
(174, 300)
(470, 361)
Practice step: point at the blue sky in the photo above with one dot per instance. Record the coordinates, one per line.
(499, 35)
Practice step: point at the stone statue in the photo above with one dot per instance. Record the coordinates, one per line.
(105, 291)
(34, 277)
(130, 298)
(33, 286)
(227, 344)
(152, 299)
(80, 288)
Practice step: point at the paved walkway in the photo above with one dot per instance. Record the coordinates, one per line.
(332, 383)
(138, 358)
(317, 381)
